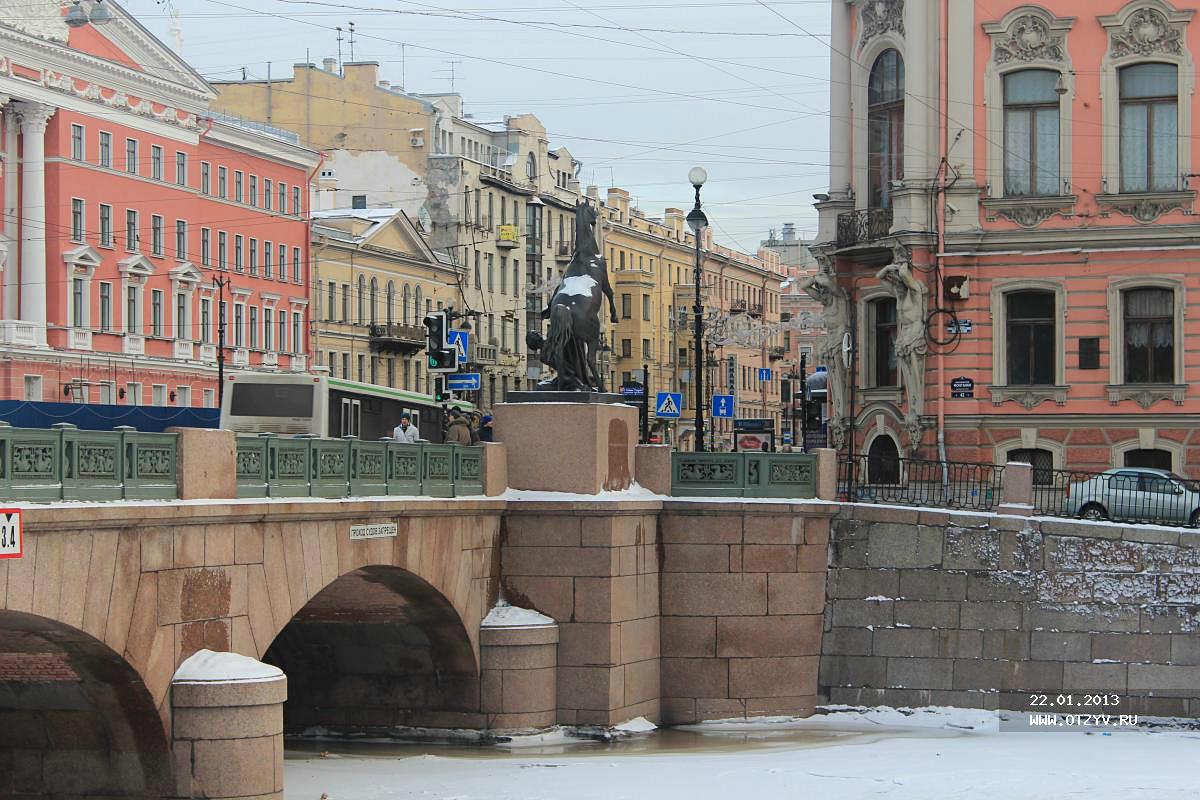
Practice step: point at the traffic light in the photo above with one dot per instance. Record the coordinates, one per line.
(440, 356)
(440, 393)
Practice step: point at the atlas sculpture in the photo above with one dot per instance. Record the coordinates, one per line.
(572, 343)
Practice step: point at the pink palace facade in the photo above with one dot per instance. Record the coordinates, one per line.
(1031, 170)
(123, 201)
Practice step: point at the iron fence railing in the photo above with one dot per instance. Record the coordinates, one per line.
(303, 466)
(914, 482)
(1121, 495)
(863, 225)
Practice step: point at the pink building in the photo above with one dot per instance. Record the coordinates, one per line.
(1011, 223)
(124, 202)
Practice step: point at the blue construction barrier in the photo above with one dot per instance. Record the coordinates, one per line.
(94, 417)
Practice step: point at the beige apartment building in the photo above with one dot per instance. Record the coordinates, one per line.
(651, 266)
(374, 279)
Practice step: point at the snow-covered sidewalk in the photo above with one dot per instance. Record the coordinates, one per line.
(922, 754)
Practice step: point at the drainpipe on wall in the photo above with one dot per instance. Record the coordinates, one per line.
(944, 146)
(314, 269)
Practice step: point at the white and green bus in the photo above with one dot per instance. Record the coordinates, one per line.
(301, 403)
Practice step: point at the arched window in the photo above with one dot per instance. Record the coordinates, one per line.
(1031, 154)
(362, 299)
(1040, 459)
(531, 168)
(882, 319)
(1149, 317)
(417, 313)
(885, 126)
(883, 462)
(405, 299)
(374, 300)
(1149, 128)
(1031, 338)
(390, 315)
(1152, 459)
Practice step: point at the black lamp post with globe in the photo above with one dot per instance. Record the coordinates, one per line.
(697, 221)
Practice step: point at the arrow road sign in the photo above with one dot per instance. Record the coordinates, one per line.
(459, 339)
(722, 405)
(668, 404)
(764, 375)
(463, 382)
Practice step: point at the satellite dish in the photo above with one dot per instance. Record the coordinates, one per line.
(847, 349)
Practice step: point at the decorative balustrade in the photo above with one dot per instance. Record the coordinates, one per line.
(863, 226)
(275, 466)
(66, 463)
(745, 474)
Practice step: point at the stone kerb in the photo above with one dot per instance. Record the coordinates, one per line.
(228, 727)
(518, 669)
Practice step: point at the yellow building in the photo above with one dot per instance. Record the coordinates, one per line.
(374, 279)
(651, 266)
(376, 137)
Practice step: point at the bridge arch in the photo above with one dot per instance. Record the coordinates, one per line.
(76, 718)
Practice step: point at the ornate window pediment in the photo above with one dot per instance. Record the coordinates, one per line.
(876, 17)
(1029, 34)
(1146, 28)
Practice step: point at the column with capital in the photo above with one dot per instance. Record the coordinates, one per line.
(840, 138)
(33, 118)
(8, 309)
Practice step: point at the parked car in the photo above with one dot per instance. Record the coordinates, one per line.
(1149, 495)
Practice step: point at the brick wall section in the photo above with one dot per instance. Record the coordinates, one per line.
(593, 567)
(742, 596)
(980, 610)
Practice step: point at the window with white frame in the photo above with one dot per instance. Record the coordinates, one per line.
(282, 197)
(222, 250)
(252, 256)
(1148, 317)
(33, 388)
(78, 303)
(205, 320)
(361, 301)
(222, 182)
(238, 181)
(296, 339)
(238, 314)
(158, 394)
(268, 257)
(78, 151)
(156, 235)
(156, 162)
(183, 396)
(132, 310)
(181, 240)
(106, 306)
(283, 262)
(881, 317)
(133, 394)
(253, 321)
(1149, 127)
(238, 243)
(181, 164)
(108, 393)
(210, 398)
(268, 328)
(131, 156)
(253, 190)
(296, 265)
(181, 316)
(131, 230)
(268, 199)
(105, 156)
(1031, 133)
(206, 247)
(77, 220)
(885, 126)
(205, 177)
(296, 200)
(156, 312)
(1031, 338)
(283, 329)
(106, 226)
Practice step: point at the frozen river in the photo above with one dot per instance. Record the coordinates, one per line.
(931, 753)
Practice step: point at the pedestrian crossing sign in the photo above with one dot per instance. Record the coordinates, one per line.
(668, 404)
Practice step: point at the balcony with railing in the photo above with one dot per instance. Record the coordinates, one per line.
(738, 306)
(776, 353)
(863, 226)
(562, 253)
(397, 338)
(484, 354)
(756, 310)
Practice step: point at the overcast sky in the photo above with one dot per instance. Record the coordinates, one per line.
(639, 91)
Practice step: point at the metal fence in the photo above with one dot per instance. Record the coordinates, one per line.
(744, 474)
(1120, 495)
(913, 482)
(304, 466)
(66, 463)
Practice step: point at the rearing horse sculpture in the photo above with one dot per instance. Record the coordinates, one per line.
(574, 312)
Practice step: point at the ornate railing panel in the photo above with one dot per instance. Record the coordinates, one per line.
(437, 471)
(251, 465)
(862, 226)
(468, 471)
(749, 474)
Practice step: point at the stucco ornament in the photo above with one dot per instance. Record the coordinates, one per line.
(823, 288)
(880, 16)
(1145, 33)
(1029, 39)
(40, 18)
(912, 344)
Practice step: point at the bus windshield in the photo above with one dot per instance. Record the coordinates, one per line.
(271, 400)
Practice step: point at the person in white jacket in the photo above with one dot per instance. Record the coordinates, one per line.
(406, 432)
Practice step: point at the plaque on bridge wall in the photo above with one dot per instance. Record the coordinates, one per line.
(380, 530)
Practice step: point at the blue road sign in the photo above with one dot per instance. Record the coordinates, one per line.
(722, 405)
(463, 382)
(668, 404)
(764, 375)
(633, 390)
(459, 339)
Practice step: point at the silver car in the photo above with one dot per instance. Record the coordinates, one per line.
(1135, 494)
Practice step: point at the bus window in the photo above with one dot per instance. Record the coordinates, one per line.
(351, 416)
(271, 399)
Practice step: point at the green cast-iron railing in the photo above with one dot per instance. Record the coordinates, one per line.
(274, 466)
(66, 463)
(746, 474)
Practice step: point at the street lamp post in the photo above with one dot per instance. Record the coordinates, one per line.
(698, 222)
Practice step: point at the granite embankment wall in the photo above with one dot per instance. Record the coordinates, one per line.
(928, 607)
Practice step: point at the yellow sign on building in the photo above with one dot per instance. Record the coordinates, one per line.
(508, 233)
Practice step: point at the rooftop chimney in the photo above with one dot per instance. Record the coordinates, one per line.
(330, 64)
(789, 232)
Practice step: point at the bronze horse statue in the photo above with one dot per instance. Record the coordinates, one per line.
(573, 340)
